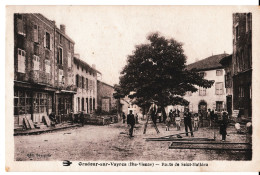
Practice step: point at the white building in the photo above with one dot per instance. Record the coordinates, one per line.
(214, 97)
(211, 98)
(85, 79)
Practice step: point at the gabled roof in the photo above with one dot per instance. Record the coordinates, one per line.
(226, 60)
(85, 65)
(209, 63)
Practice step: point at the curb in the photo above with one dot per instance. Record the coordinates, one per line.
(31, 132)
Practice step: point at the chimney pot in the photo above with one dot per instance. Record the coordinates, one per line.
(63, 28)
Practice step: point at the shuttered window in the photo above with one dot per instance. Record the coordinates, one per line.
(202, 91)
(36, 62)
(219, 88)
(36, 33)
(21, 61)
(47, 66)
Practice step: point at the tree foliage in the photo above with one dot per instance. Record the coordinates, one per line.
(157, 72)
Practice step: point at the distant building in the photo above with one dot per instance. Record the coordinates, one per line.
(85, 80)
(105, 99)
(214, 97)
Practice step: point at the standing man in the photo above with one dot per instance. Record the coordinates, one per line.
(187, 121)
(131, 122)
(171, 117)
(153, 112)
(82, 119)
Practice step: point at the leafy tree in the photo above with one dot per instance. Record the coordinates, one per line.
(156, 72)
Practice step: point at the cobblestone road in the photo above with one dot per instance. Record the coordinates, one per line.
(112, 143)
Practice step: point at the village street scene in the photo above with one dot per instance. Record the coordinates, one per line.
(161, 101)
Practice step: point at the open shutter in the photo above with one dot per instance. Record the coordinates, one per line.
(51, 42)
(44, 39)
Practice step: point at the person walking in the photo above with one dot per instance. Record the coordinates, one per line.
(82, 119)
(171, 117)
(187, 121)
(153, 112)
(223, 126)
(131, 122)
(136, 118)
(124, 117)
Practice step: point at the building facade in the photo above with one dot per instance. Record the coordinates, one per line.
(227, 63)
(210, 98)
(63, 79)
(242, 63)
(85, 80)
(105, 100)
(36, 76)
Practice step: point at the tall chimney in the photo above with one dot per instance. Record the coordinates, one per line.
(63, 28)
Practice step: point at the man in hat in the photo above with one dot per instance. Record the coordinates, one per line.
(131, 122)
(187, 121)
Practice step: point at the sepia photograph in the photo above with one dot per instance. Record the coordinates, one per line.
(151, 87)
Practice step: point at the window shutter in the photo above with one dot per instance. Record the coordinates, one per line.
(51, 42)
(44, 39)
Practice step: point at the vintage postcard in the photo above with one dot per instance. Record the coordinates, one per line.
(132, 88)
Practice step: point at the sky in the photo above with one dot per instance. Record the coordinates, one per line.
(105, 35)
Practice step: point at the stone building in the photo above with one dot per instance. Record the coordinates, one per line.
(214, 97)
(63, 79)
(37, 83)
(85, 80)
(105, 100)
(242, 63)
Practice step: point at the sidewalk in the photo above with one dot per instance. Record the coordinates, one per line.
(44, 130)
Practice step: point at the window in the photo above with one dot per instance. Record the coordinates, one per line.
(36, 62)
(202, 91)
(86, 83)
(47, 40)
(22, 102)
(94, 106)
(82, 104)
(60, 56)
(36, 49)
(77, 80)
(69, 45)
(87, 105)
(21, 61)
(83, 82)
(60, 38)
(69, 59)
(61, 77)
(47, 66)
(249, 56)
(90, 85)
(219, 72)
(241, 92)
(219, 88)
(36, 33)
(90, 104)
(20, 26)
(237, 32)
(78, 104)
(219, 105)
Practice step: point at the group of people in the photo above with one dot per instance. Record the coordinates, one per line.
(73, 118)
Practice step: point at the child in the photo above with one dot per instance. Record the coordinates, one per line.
(168, 122)
(178, 122)
(196, 122)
